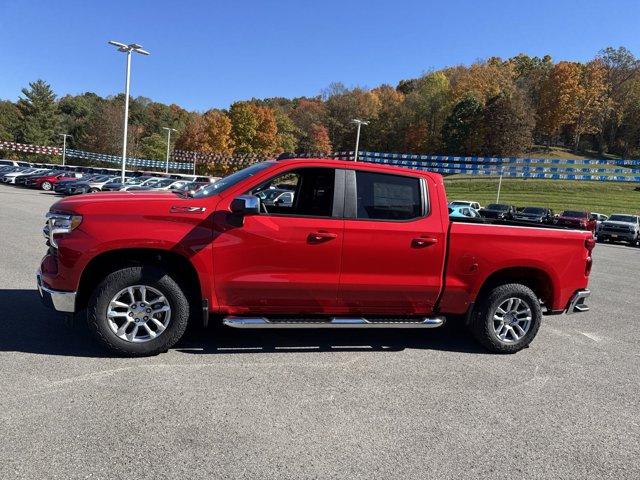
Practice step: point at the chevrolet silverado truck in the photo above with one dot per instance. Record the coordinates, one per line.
(360, 245)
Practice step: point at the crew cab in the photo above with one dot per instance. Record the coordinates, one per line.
(535, 215)
(361, 245)
(576, 219)
(620, 227)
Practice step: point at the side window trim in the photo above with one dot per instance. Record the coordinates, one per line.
(351, 198)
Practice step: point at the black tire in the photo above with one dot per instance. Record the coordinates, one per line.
(140, 275)
(93, 190)
(482, 320)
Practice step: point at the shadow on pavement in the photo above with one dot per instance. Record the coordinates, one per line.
(28, 326)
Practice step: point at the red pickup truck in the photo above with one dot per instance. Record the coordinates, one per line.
(358, 245)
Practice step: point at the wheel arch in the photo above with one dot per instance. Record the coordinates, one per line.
(103, 264)
(535, 278)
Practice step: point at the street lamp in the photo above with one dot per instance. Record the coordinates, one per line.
(169, 130)
(359, 123)
(133, 47)
(64, 146)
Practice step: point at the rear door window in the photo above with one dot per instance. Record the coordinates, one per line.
(382, 196)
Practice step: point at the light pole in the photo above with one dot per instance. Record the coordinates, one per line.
(499, 185)
(133, 47)
(359, 123)
(64, 146)
(169, 130)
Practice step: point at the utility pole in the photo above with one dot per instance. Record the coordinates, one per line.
(169, 130)
(64, 146)
(499, 185)
(133, 47)
(359, 123)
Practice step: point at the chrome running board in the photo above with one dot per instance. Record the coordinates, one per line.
(335, 322)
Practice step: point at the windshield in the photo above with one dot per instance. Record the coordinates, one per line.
(163, 182)
(497, 206)
(622, 218)
(99, 178)
(229, 181)
(533, 210)
(571, 214)
(459, 204)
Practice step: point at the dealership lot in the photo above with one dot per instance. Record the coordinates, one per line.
(329, 404)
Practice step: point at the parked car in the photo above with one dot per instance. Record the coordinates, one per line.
(498, 211)
(465, 203)
(13, 176)
(276, 196)
(22, 179)
(535, 215)
(63, 186)
(620, 227)
(129, 182)
(90, 184)
(576, 219)
(159, 184)
(47, 182)
(362, 245)
(463, 212)
(13, 163)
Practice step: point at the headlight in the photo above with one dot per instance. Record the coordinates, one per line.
(59, 224)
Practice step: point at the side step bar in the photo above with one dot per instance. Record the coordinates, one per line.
(336, 322)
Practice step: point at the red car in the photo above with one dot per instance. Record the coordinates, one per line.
(47, 182)
(576, 219)
(360, 246)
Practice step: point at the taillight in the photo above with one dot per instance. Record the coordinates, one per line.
(587, 267)
(589, 244)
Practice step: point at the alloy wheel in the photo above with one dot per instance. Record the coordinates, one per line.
(512, 320)
(138, 313)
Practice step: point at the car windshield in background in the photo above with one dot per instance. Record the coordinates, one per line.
(229, 181)
(533, 210)
(622, 218)
(498, 207)
(571, 214)
(459, 204)
(165, 182)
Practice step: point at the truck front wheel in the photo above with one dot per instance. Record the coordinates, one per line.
(138, 311)
(507, 319)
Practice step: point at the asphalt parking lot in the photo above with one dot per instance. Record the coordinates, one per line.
(237, 404)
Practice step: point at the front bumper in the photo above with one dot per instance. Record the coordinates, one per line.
(617, 235)
(60, 301)
(576, 304)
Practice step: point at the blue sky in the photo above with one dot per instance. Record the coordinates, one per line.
(208, 54)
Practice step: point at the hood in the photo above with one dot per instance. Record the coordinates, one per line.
(611, 223)
(130, 204)
(529, 215)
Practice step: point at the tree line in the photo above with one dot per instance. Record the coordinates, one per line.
(493, 107)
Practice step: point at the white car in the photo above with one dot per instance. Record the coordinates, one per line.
(11, 177)
(13, 163)
(465, 203)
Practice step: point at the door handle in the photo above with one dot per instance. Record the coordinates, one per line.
(423, 242)
(321, 236)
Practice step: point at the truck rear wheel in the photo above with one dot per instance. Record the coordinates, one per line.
(138, 311)
(508, 318)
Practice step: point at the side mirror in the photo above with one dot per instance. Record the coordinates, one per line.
(246, 205)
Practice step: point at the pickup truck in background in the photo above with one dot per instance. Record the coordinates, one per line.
(620, 227)
(360, 245)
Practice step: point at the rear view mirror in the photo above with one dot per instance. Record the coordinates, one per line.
(246, 205)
